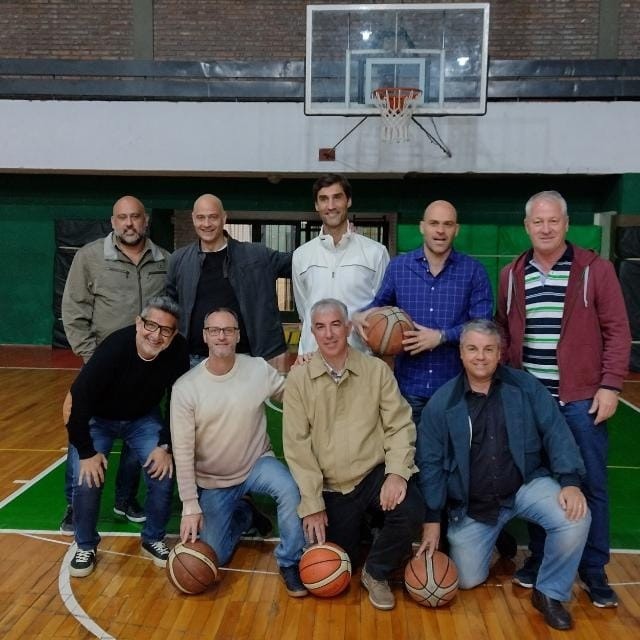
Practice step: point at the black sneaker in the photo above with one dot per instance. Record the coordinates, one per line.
(157, 551)
(601, 594)
(259, 522)
(83, 563)
(527, 575)
(66, 525)
(132, 511)
(293, 584)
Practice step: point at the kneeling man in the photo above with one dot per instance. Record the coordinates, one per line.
(349, 442)
(222, 450)
(481, 449)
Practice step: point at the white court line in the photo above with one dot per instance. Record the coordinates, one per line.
(70, 602)
(42, 368)
(18, 492)
(273, 406)
(630, 404)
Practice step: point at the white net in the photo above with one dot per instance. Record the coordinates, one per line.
(396, 105)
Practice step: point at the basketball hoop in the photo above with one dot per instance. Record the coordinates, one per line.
(396, 106)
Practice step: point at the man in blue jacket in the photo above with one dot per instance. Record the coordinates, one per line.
(481, 450)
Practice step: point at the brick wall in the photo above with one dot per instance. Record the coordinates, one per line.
(275, 29)
(629, 30)
(73, 29)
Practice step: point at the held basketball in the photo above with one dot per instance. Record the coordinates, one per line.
(192, 567)
(386, 328)
(325, 570)
(431, 582)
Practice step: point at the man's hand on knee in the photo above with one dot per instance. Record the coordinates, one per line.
(573, 503)
(159, 464)
(92, 470)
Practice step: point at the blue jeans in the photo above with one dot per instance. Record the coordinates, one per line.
(472, 542)
(126, 480)
(142, 437)
(417, 404)
(593, 442)
(227, 516)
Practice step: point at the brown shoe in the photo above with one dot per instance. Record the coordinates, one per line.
(380, 594)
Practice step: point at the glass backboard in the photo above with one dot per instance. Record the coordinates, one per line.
(354, 49)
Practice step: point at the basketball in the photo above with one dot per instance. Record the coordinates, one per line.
(192, 567)
(386, 328)
(325, 570)
(431, 582)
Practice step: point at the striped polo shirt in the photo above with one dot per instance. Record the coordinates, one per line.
(544, 306)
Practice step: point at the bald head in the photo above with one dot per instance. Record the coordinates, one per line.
(208, 202)
(443, 207)
(439, 226)
(209, 218)
(129, 221)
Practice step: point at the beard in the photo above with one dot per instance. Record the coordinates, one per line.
(132, 238)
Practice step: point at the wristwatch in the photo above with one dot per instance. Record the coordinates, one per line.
(166, 447)
(443, 338)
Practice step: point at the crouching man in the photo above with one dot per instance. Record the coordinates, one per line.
(481, 447)
(116, 395)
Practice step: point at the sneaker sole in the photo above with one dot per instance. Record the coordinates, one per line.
(600, 605)
(159, 562)
(66, 532)
(124, 514)
(81, 573)
(300, 593)
(522, 583)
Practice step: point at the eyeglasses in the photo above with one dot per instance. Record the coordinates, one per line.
(152, 326)
(216, 331)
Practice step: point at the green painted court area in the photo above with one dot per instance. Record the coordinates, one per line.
(41, 505)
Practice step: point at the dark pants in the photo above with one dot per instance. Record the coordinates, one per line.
(593, 441)
(392, 546)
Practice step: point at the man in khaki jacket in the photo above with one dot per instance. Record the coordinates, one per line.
(109, 282)
(349, 443)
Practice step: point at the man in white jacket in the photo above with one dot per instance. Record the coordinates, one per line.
(337, 263)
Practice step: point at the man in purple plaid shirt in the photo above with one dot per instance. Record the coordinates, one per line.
(440, 289)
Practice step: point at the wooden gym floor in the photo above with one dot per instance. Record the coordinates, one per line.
(128, 597)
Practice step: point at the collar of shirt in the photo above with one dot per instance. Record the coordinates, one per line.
(327, 240)
(452, 258)
(317, 367)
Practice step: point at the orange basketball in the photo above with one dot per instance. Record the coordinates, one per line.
(192, 567)
(431, 582)
(325, 569)
(386, 328)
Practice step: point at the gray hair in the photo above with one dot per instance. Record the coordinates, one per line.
(554, 196)
(162, 303)
(488, 327)
(327, 304)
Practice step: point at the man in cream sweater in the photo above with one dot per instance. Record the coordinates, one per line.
(222, 450)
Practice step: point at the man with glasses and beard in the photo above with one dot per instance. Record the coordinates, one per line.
(108, 283)
(116, 395)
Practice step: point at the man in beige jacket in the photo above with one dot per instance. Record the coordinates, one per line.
(349, 442)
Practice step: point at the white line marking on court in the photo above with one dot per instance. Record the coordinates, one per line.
(70, 602)
(20, 481)
(24, 487)
(42, 368)
(630, 404)
(273, 406)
